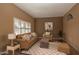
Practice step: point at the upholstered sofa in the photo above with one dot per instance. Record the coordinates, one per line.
(26, 43)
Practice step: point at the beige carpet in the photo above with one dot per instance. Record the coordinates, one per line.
(52, 50)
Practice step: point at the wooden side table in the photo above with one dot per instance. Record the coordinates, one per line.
(13, 48)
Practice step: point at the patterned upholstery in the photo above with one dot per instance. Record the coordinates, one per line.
(26, 43)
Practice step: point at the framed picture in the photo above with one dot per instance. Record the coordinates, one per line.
(48, 26)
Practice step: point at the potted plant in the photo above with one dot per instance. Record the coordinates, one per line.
(61, 35)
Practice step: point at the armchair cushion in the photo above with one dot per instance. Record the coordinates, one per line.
(33, 34)
(46, 34)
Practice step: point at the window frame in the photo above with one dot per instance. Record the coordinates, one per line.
(21, 30)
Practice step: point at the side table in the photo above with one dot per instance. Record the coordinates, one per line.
(13, 48)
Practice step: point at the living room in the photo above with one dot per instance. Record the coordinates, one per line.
(21, 19)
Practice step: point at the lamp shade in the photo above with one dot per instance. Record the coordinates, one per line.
(12, 36)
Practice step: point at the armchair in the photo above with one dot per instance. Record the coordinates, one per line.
(47, 35)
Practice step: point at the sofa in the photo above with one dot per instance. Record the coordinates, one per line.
(26, 40)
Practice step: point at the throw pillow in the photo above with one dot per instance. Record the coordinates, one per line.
(33, 34)
(26, 37)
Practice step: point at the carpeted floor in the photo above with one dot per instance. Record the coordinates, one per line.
(52, 50)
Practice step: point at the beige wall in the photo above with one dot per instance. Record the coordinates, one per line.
(7, 12)
(40, 27)
(71, 27)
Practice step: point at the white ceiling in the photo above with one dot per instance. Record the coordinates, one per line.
(39, 10)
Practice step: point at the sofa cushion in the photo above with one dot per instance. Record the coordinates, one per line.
(26, 36)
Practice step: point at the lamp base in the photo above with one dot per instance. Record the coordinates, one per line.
(12, 43)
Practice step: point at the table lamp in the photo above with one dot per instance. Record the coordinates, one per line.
(11, 37)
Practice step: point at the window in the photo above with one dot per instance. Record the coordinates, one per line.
(21, 27)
